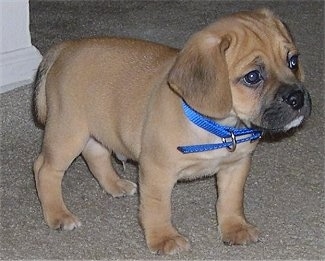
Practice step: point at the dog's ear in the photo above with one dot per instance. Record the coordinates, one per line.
(200, 75)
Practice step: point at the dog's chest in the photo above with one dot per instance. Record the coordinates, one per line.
(209, 163)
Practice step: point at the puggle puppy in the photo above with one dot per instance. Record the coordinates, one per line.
(181, 114)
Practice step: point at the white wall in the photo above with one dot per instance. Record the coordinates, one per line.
(18, 58)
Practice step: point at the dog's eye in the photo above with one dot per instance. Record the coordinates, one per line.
(252, 78)
(293, 62)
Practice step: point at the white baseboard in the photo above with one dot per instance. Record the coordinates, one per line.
(18, 68)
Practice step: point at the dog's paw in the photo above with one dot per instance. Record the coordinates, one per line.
(123, 187)
(169, 245)
(62, 220)
(240, 233)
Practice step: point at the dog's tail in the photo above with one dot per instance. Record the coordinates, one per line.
(40, 105)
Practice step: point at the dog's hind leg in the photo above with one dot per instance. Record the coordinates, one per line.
(61, 145)
(99, 162)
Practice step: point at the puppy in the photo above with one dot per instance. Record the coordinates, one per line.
(180, 114)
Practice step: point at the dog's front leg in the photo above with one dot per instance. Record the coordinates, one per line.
(155, 211)
(234, 228)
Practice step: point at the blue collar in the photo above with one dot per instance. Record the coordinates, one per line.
(224, 132)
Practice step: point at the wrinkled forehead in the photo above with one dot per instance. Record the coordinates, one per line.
(259, 37)
(262, 22)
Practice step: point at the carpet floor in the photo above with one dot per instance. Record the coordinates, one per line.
(285, 190)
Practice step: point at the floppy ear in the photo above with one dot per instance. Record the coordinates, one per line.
(200, 75)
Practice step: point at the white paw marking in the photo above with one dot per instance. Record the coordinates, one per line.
(72, 225)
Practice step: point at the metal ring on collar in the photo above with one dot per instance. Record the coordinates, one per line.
(233, 146)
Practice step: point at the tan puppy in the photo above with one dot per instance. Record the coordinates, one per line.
(104, 95)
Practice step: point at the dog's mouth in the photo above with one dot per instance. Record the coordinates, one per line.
(294, 124)
(289, 109)
(282, 121)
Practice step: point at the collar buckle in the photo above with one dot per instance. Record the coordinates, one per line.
(233, 145)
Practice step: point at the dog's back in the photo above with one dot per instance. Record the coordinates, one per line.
(51, 57)
(96, 80)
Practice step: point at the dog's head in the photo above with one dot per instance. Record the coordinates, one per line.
(245, 65)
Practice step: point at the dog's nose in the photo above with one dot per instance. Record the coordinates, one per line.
(295, 99)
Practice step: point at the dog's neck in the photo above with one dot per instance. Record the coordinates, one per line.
(232, 121)
(236, 134)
